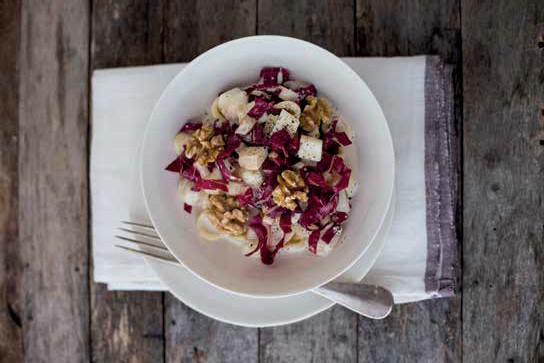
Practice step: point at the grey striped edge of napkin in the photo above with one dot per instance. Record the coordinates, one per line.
(441, 179)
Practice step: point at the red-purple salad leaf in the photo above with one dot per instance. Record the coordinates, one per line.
(188, 208)
(313, 240)
(267, 256)
(261, 107)
(339, 217)
(176, 165)
(325, 163)
(245, 198)
(211, 184)
(190, 127)
(190, 173)
(339, 167)
(282, 143)
(285, 222)
(304, 92)
(330, 233)
(342, 138)
(318, 208)
(274, 75)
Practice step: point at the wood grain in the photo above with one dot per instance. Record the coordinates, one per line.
(126, 326)
(429, 331)
(192, 337)
(190, 28)
(332, 335)
(329, 24)
(503, 304)
(11, 341)
(53, 187)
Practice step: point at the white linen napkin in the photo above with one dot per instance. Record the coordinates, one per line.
(419, 258)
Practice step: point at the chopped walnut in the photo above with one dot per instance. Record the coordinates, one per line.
(291, 187)
(317, 111)
(226, 215)
(203, 146)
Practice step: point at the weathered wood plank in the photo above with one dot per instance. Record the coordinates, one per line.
(11, 341)
(428, 331)
(332, 335)
(194, 26)
(126, 326)
(192, 337)
(190, 28)
(53, 187)
(503, 76)
(329, 24)
(328, 337)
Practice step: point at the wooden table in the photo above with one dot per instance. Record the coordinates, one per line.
(50, 309)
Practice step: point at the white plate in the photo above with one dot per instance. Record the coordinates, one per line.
(256, 312)
(192, 91)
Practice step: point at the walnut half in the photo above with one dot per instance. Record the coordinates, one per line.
(317, 111)
(203, 146)
(291, 187)
(225, 214)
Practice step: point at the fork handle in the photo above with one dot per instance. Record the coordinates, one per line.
(374, 302)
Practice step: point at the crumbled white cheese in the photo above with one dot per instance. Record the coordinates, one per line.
(187, 195)
(246, 124)
(214, 110)
(202, 170)
(289, 106)
(181, 140)
(236, 188)
(253, 178)
(310, 148)
(252, 157)
(231, 103)
(287, 94)
(286, 121)
(343, 202)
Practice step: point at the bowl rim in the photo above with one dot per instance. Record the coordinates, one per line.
(195, 63)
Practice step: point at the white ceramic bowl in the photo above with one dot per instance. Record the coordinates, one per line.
(192, 91)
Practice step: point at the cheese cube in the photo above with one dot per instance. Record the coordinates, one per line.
(310, 148)
(252, 157)
(287, 95)
(236, 188)
(246, 124)
(230, 103)
(286, 121)
(343, 202)
(253, 178)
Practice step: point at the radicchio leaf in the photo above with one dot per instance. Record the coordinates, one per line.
(267, 256)
(190, 127)
(246, 198)
(188, 208)
(313, 240)
(211, 184)
(282, 143)
(261, 107)
(330, 233)
(339, 217)
(285, 222)
(274, 75)
(318, 208)
(175, 166)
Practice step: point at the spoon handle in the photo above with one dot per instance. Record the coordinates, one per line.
(374, 302)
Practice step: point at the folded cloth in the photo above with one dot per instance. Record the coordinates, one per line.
(419, 260)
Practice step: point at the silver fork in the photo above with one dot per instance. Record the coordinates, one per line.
(374, 302)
